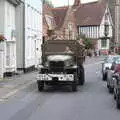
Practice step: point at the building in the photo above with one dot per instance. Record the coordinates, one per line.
(117, 25)
(29, 34)
(111, 5)
(48, 20)
(60, 22)
(65, 22)
(91, 19)
(8, 29)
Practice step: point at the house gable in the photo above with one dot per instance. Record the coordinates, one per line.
(90, 13)
(59, 15)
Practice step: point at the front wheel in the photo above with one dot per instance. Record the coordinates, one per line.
(118, 104)
(110, 90)
(81, 75)
(114, 96)
(74, 84)
(74, 87)
(40, 85)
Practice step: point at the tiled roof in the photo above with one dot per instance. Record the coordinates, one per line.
(90, 13)
(59, 15)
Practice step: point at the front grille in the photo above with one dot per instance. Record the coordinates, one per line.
(56, 66)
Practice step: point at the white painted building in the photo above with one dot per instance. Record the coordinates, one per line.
(91, 20)
(8, 29)
(29, 34)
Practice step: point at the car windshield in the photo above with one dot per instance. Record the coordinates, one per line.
(118, 61)
(116, 58)
(111, 59)
(108, 60)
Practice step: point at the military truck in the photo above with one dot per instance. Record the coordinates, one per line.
(60, 66)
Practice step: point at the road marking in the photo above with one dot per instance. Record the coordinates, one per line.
(15, 91)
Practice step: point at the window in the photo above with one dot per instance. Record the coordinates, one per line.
(103, 43)
(49, 20)
(70, 27)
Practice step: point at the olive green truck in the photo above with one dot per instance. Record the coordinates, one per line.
(61, 66)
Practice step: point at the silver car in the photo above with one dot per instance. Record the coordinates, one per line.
(110, 74)
(106, 65)
(117, 90)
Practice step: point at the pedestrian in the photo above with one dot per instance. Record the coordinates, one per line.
(95, 53)
(68, 50)
(99, 53)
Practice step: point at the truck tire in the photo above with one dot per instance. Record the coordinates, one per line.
(108, 86)
(114, 96)
(111, 90)
(40, 85)
(74, 84)
(81, 75)
(74, 87)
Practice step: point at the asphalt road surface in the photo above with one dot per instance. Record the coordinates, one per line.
(91, 102)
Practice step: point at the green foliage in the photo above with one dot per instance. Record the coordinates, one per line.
(88, 42)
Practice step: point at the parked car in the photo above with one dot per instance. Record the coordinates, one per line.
(117, 88)
(107, 64)
(111, 72)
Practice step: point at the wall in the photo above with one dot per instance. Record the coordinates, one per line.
(20, 35)
(2, 11)
(117, 23)
(33, 32)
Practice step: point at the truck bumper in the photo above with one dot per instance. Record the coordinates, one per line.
(55, 77)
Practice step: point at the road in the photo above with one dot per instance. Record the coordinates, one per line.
(91, 102)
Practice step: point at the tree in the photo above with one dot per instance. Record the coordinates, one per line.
(88, 42)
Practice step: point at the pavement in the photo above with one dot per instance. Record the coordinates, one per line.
(11, 85)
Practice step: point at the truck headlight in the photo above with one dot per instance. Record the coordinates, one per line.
(70, 77)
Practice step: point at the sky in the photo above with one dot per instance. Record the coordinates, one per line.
(57, 3)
